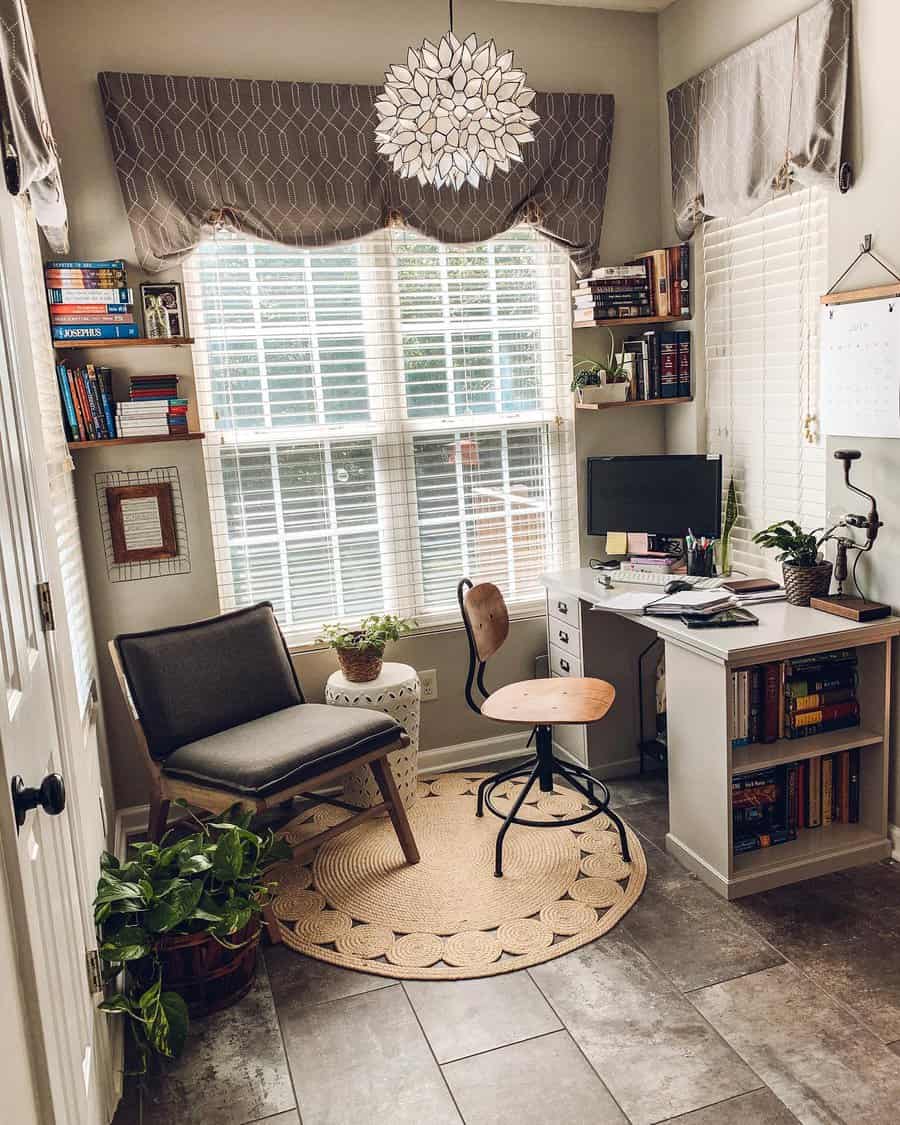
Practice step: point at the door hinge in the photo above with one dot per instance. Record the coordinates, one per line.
(94, 971)
(45, 605)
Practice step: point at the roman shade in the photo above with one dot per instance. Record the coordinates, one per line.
(24, 108)
(767, 118)
(296, 163)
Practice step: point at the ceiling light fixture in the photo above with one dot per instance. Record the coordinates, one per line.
(454, 112)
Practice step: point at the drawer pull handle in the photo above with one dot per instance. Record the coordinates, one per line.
(564, 664)
(562, 607)
(564, 637)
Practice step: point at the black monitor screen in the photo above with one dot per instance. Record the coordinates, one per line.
(664, 495)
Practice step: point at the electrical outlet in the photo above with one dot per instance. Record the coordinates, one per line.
(428, 680)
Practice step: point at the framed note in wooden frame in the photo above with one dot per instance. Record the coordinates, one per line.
(142, 522)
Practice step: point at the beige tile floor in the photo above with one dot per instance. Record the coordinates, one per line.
(783, 1007)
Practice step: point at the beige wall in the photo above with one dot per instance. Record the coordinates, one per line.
(343, 41)
(694, 34)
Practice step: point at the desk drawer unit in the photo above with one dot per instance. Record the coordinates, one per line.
(563, 663)
(563, 607)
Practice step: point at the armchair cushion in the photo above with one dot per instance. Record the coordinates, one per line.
(192, 681)
(280, 750)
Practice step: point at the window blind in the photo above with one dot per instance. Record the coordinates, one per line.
(382, 418)
(763, 276)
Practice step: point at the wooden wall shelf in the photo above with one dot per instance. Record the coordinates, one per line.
(145, 439)
(141, 342)
(638, 402)
(629, 321)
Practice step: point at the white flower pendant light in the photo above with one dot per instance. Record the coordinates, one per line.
(454, 113)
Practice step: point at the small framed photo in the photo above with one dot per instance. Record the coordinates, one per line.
(141, 522)
(163, 309)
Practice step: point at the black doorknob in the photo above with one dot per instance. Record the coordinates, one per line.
(51, 796)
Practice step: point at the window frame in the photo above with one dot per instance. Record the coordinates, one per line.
(393, 432)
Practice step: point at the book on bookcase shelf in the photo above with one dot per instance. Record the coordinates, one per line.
(90, 413)
(660, 365)
(90, 300)
(655, 284)
(793, 699)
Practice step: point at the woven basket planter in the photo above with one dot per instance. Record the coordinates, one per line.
(804, 582)
(206, 973)
(360, 665)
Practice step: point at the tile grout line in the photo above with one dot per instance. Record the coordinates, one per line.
(579, 1048)
(287, 1057)
(712, 1105)
(415, 1014)
(503, 1046)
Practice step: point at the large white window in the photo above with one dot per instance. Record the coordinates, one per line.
(384, 417)
(763, 276)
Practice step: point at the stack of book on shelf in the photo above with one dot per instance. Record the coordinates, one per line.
(153, 407)
(656, 283)
(87, 402)
(90, 301)
(661, 365)
(794, 698)
(657, 562)
(771, 806)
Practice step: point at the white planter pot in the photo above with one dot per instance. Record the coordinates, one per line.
(610, 392)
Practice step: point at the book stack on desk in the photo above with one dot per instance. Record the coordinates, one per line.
(653, 563)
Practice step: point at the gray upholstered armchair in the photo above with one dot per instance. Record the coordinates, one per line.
(220, 716)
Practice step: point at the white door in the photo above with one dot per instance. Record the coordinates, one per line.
(39, 856)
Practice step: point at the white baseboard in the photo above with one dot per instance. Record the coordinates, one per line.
(132, 819)
(894, 833)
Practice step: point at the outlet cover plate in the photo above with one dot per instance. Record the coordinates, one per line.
(428, 680)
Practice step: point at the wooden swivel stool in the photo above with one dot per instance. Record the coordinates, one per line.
(538, 702)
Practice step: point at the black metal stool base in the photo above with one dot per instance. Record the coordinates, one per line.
(543, 768)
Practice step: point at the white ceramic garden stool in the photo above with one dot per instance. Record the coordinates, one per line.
(397, 692)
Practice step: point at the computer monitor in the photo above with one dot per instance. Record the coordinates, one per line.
(662, 495)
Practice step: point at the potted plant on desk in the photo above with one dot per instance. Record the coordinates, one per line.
(360, 650)
(806, 574)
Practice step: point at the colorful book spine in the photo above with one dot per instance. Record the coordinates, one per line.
(684, 364)
(668, 365)
(684, 278)
(56, 279)
(108, 264)
(65, 393)
(98, 332)
(92, 318)
(87, 310)
(116, 295)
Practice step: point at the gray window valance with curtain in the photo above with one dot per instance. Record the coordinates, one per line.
(295, 163)
(766, 118)
(23, 105)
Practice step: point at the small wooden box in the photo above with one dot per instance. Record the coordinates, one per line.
(856, 609)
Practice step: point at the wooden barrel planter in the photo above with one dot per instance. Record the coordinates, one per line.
(209, 975)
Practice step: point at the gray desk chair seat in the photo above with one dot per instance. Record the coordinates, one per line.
(220, 717)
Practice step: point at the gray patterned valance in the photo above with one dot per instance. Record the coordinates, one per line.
(763, 119)
(295, 163)
(23, 106)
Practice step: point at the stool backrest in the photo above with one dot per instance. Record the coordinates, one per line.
(486, 619)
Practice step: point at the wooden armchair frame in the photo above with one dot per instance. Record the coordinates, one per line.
(164, 790)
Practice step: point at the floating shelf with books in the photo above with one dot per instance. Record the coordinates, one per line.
(139, 342)
(145, 439)
(630, 321)
(634, 402)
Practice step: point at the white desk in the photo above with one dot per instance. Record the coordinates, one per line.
(602, 642)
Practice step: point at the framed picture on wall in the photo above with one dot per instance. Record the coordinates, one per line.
(142, 522)
(162, 306)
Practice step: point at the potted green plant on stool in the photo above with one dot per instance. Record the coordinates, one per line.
(806, 574)
(360, 649)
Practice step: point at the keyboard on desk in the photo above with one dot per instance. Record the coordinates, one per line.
(657, 578)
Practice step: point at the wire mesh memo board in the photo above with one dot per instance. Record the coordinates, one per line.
(151, 568)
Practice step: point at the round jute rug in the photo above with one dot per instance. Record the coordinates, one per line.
(356, 903)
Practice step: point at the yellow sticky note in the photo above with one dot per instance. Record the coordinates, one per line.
(617, 543)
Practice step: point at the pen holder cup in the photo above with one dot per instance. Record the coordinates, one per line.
(701, 561)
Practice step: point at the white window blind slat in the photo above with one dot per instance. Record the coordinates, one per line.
(384, 417)
(763, 276)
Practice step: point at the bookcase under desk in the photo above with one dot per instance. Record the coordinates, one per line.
(701, 759)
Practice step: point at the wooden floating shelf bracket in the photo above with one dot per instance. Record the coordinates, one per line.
(141, 342)
(144, 439)
(628, 321)
(638, 402)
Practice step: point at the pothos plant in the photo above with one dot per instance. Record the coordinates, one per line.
(373, 632)
(209, 882)
(591, 372)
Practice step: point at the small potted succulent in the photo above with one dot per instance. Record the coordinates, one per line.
(360, 649)
(602, 380)
(806, 574)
